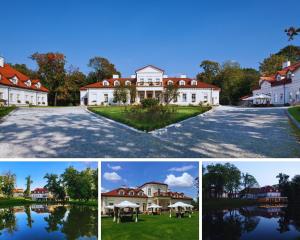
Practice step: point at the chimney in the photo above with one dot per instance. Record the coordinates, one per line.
(286, 64)
(182, 76)
(115, 76)
(2, 61)
(165, 76)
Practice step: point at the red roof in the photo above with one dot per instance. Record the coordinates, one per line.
(7, 72)
(188, 83)
(40, 190)
(126, 191)
(174, 195)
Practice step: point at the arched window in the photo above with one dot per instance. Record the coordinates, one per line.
(121, 193)
(105, 83)
(131, 193)
(38, 85)
(127, 83)
(194, 83)
(140, 193)
(170, 82)
(182, 83)
(278, 77)
(28, 83)
(116, 83)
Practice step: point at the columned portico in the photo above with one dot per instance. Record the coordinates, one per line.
(146, 94)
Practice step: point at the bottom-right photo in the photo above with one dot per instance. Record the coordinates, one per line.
(251, 200)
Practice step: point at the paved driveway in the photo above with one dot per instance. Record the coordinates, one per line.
(72, 132)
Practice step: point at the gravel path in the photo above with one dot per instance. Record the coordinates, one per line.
(72, 132)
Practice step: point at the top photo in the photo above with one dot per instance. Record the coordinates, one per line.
(136, 79)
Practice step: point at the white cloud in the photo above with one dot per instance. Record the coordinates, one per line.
(111, 176)
(115, 168)
(103, 190)
(182, 169)
(185, 180)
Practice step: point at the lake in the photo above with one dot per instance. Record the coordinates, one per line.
(252, 222)
(48, 222)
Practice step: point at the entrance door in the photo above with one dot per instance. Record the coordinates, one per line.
(85, 101)
(149, 94)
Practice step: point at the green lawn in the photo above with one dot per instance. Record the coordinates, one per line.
(88, 203)
(15, 201)
(295, 112)
(152, 228)
(119, 113)
(215, 204)
(6, 110)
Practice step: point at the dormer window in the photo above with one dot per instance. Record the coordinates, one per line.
(127, 83)
(194, 83)
(140, 193)
(28, 83)
(182, 83)
(170, 82)
(121, 193)
(278, 77)
(105, 83)
(289, 75)
(131, 193)
(116, 83)
(14, 80)
(38, 85)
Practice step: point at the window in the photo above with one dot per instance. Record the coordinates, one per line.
(175, 99)
(1, 95)
(31, 99)
(127, 83)
(157, 79)
(11, 97)
(276, 98)
(150, 79)
(131, 193)
(140, 194)
(106, 98)
(121, 193)
(278, 77)
(193, 97)
(116, 83)
(170, 82)
(205, 98)
(182, 83)
(105, 83)
(194, 83)
(28, 83)
(149, 191)
(184, 97)
(281, 96)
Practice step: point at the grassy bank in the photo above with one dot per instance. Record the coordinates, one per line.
(15, 202)
(120, 114)
(6, 110)
(295, 112)
(152, 227)
(93, 203)
(215, 204)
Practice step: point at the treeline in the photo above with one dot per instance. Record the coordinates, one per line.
(78, 185)
(64, 84)
(289, 188)
(219, 179)
(236, 81)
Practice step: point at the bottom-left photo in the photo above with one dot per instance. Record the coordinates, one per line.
(49, 200)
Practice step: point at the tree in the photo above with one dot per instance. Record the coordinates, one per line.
(249, 181)
(132, 92)
(291, 32)
(54, 185)
(283, 183)
(103, 69)
(291, 53)
(210, 70)
(28, 184)
(271, 64)
(51, 69)
(95, 183)
(233, 179)
(120, 94)
(22, 68)
(8, 184)
(171, 93)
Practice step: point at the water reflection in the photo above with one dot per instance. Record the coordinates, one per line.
(49, 222)
(252, 222)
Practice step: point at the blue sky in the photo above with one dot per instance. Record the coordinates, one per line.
(37, 170)
(266, 172)
(178, 175)
(174, 35)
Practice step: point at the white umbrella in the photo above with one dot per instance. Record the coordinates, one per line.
(178, 204)
(154, 206)
(109, 207)
(262, 96)
(127, 204)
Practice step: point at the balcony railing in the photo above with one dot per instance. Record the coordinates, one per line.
(149, 84)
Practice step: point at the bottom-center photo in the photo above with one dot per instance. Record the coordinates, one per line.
(150, 200)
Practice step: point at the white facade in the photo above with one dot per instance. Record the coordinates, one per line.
(283, 88)
(151, 82)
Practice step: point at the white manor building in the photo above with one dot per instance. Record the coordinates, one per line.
(18, 89)
(145, 195)
(150, 82)
(282, 88)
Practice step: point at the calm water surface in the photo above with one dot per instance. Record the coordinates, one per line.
(35, 222)
(253, 222)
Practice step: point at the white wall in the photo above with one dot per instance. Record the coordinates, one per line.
(154, 188)
(106, 201)
(19, 96)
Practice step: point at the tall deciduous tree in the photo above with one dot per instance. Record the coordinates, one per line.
(102, 69)
(171, 93)
(210, 70)
(28, 185)
(51, 69)
(8, 183)
(54, 185)
(120, 94)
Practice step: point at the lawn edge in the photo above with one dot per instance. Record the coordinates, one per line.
(3, 119)
(293, 120)
(182, 121)
(113, 121)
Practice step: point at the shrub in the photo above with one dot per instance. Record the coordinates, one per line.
(149, 102)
